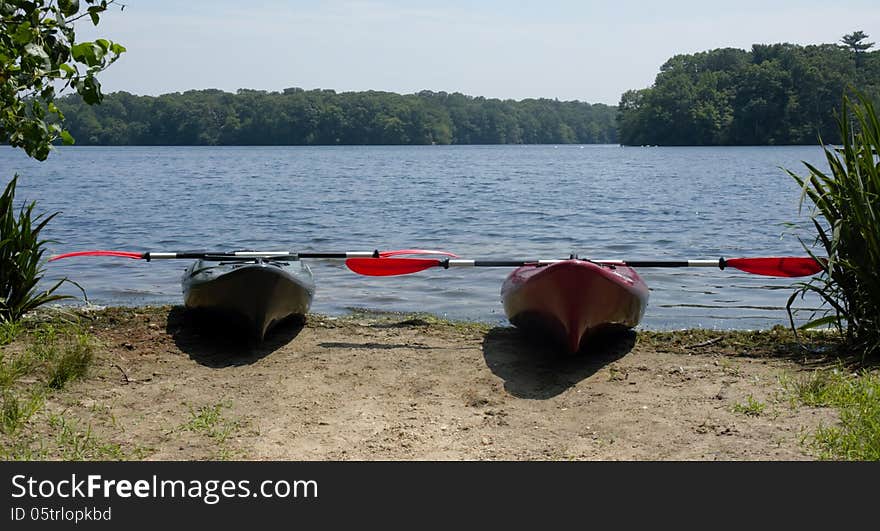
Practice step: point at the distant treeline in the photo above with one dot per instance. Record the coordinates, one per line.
(325, 117)
(774, 94)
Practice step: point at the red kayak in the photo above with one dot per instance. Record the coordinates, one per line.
(569, 301)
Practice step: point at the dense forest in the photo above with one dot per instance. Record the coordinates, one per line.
(325, 117)
(771, 95)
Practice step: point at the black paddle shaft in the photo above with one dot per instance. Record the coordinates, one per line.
(447, 263)
(247, 255)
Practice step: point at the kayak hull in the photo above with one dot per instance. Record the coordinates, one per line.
(569, 301)
(258, 294)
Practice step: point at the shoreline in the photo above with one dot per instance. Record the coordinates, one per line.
(499, 321)
(163, 385)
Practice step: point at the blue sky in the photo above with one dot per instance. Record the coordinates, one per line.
(588, 51)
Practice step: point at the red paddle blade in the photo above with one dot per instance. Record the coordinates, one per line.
(122, 254)
(385, 267)
(386, 254)
(778, 266)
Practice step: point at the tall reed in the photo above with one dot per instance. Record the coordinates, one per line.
(21, 258)
(846, 215)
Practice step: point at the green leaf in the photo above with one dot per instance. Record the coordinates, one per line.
(93, 13)
(23, 33)
(87, 53)
(822, 321)
(69, 7)
(67, 138)
(90, 90)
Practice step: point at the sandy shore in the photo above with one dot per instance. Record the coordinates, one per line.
(164, 385)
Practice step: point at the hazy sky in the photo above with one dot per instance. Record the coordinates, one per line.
(572, 50)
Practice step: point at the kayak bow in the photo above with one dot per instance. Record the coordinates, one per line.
(571, 300)
(258, 294)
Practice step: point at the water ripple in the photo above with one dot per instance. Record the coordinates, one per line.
(479, 201)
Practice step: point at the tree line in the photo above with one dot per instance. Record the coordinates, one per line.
(324, 117)
(770, 95)
(773, 94)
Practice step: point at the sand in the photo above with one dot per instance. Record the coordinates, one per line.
(165, 385)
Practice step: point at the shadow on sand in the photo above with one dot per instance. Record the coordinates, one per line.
(537, 370)
(217, 342)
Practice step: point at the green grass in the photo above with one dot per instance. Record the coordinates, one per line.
(9, 330)
(73, 442)
(846, 216)
(47, 358)
(856, 397)
(72, 363)
(210, 421)
(751, 407)
(17, 410)
(57, 355)
(14, 367)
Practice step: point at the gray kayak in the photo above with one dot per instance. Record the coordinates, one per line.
(258, 293)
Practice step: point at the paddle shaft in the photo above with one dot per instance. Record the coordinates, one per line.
(250, 255)
(720, 263)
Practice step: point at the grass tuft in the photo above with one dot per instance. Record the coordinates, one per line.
(9, 330)
(856, 397)
(17, 412)
(72, 363)
(210, 421)
(51, 358)
(751, 407)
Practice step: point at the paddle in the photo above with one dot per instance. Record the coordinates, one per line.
(777, 266)
(246, 255)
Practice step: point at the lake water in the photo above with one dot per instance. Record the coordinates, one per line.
(501, 202)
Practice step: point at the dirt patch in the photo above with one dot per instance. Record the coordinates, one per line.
(165, 385)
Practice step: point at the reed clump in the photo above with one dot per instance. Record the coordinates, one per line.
(846, 215)
(21, 258)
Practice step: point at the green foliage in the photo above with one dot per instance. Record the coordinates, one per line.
(49, 362)
(750, 407)
(71, 364)
(21, 253)
(9, 330)
(770, 95)
(847, 219)
(210, 422)
(324, 117)
(15, 412)
(856, 396)
(31, 377)
(59, 355)
(855, 41)
(39, 57)
(73, 443)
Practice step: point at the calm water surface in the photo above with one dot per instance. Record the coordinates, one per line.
(514, 202)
